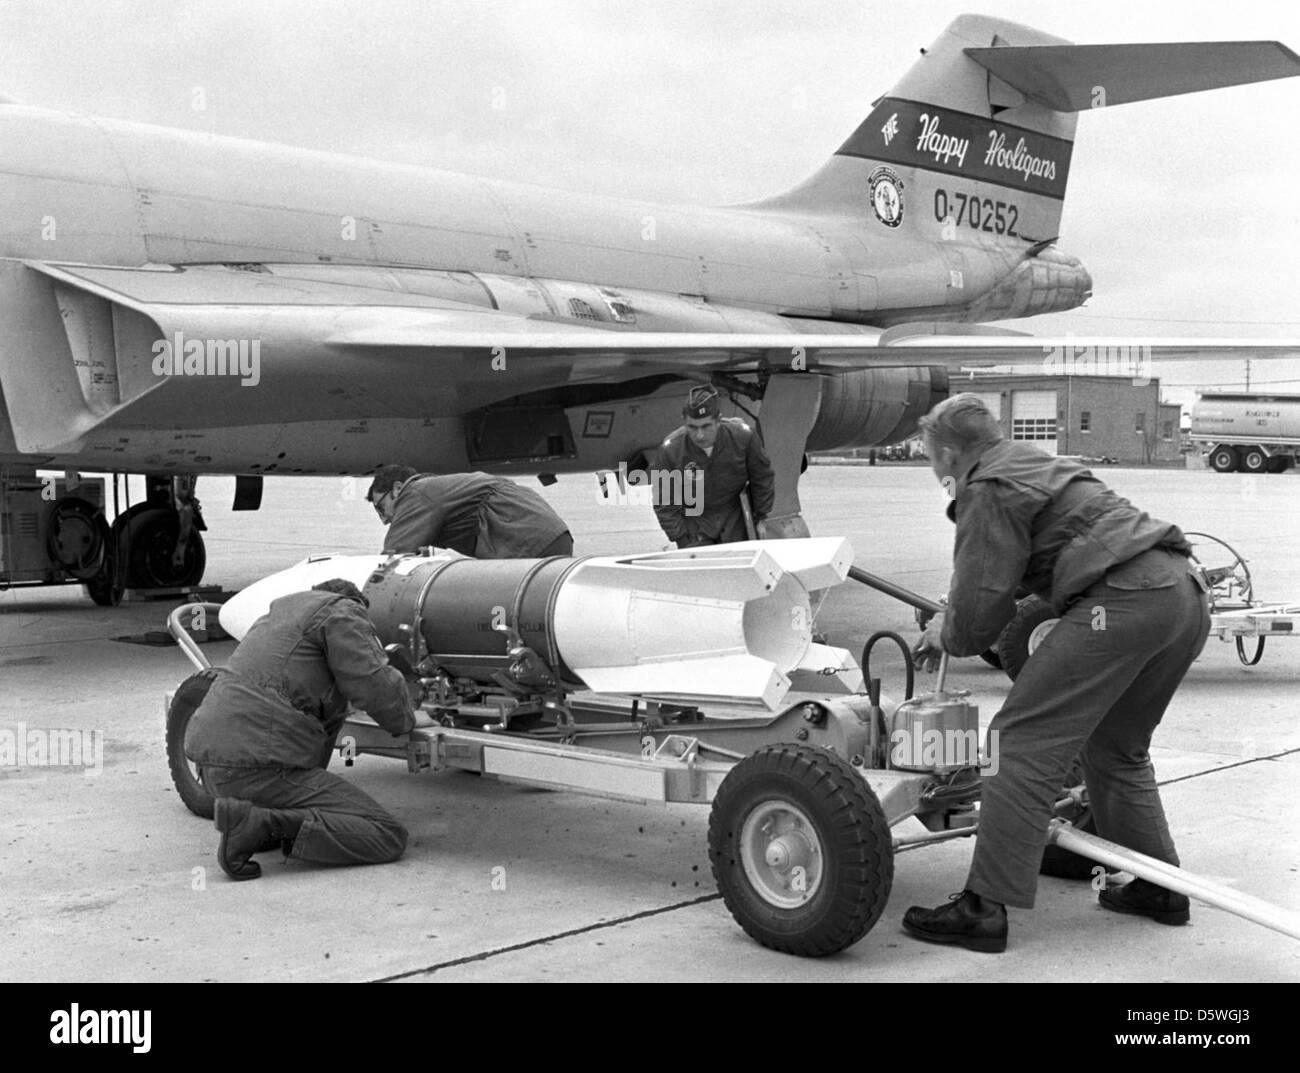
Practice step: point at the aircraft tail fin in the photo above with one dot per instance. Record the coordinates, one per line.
(974, 142)
(1074, 78)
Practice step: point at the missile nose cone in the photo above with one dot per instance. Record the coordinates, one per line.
(251, 603)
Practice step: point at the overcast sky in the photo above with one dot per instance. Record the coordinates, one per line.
(1185, 210)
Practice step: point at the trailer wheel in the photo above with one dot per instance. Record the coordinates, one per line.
(801, 850)
(1279, 463)
(1253, 460)
(1223, 459)
(187, 777)
(1033, 621)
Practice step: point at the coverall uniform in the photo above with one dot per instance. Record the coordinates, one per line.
(1134, 616)
(709, 511)
(478, 515)
(264, 730)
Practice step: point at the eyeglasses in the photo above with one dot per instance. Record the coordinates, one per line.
(378, 505)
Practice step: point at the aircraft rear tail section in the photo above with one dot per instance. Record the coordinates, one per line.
(973, 146)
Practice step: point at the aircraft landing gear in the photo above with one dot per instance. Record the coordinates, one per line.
(159, 555)
(155, 544)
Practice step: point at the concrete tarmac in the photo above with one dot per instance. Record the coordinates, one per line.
(105, 876)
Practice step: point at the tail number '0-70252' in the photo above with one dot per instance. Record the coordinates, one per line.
(982, 214)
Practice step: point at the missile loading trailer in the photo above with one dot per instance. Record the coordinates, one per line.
(690, 676)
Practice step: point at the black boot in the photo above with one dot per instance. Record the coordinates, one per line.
(967, 920)
(245, 830)
(1146, 899)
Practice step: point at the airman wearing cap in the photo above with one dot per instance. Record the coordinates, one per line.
(708, 462)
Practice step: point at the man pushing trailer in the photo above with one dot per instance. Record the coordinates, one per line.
(1133, 617)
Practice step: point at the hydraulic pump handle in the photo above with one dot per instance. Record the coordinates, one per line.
(896, 591)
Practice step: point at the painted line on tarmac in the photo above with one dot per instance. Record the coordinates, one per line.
(549, 939)
(1228, 767)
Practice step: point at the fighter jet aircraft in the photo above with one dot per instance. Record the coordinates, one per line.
(224, 306)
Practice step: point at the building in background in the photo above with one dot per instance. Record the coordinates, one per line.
(1090, 417)
(1105, 417)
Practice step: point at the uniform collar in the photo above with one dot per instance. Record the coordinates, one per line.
(967, 475)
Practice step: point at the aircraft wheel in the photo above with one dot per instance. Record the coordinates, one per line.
(1224, 460)
(1032, 622)
(801, 850)
(151, 538)
(187, 777)
(1253, 460)
(106, 587)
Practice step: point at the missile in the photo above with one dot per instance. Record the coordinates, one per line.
(732, 621)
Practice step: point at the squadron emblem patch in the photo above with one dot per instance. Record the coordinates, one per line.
(886, 196)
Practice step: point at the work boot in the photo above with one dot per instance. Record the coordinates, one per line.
(967, 920)
(245, 830)
(1147, 900)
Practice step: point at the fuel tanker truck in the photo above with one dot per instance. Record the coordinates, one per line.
(1251, 433)
(690, 676)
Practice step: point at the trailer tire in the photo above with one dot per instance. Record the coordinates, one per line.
(1253, 460)
(800, 850)
(1224, 460)
(1279, 463)
(1033, 620)
(186, 776)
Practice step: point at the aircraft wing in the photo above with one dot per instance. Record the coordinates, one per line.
(330, 347)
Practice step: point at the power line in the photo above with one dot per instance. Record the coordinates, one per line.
(1225, 383)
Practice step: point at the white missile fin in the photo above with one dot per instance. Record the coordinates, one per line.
(739, 678)
(818, 562)
(827, 669)
(718, 573)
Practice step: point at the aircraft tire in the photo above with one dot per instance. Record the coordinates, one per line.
(151, 536)
(106, 587)
(800, 850)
